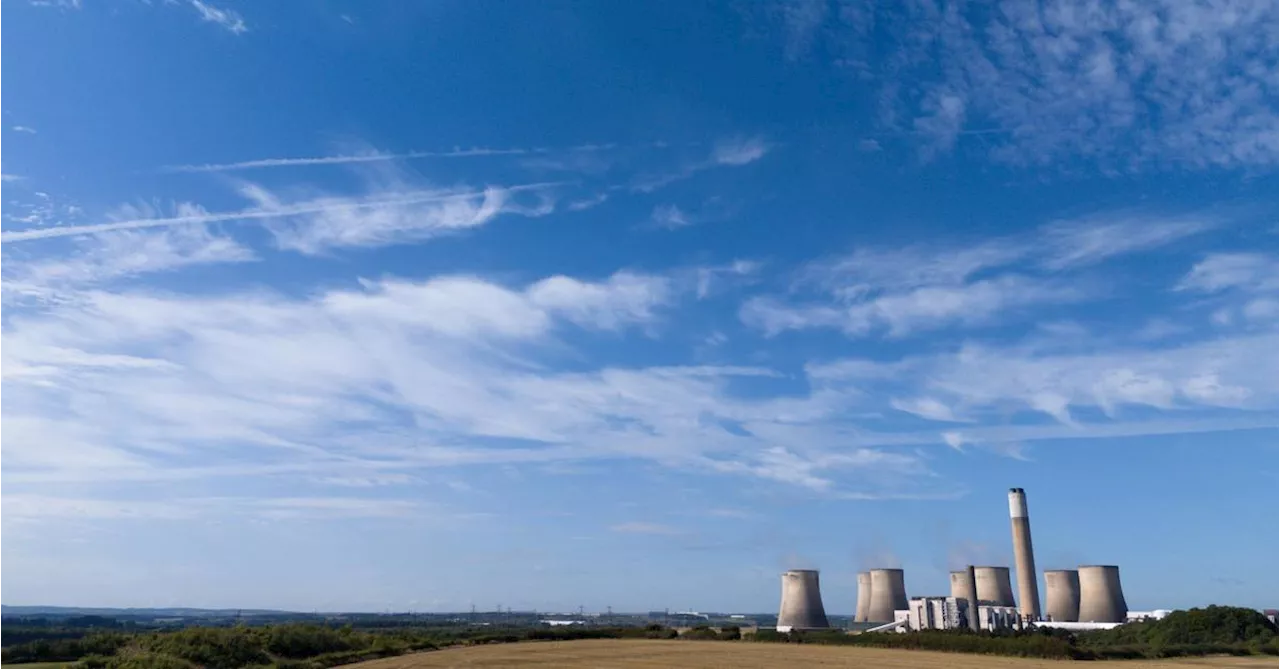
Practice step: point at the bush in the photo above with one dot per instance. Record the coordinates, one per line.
(211, 647)
(303, 641)
(701, 632)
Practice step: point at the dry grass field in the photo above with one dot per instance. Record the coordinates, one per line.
(651, 654)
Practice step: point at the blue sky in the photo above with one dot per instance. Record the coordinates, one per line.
(368, 306)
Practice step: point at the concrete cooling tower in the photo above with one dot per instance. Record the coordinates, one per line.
(994, 587)
(888, 594)
(957, 583)
(864, 597)
(801, 607)
(1062, 595)
(1101, 599)
(963, 588)
(1023, 557)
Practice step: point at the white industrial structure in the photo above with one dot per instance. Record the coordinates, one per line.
(992, 618)
(946, 613)
(937, 613)
(1137, 616)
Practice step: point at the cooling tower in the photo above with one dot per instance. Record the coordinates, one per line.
(1101, 599)
(971, 596)
(993, 586)
(801, 607)
(888, 594)
(957, 583)
(1024, 558)
(1062, 595)
(864, 597)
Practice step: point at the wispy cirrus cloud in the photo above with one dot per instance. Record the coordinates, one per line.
(670, 217)
(641, 527)
(734, 152)
(328, 220)
(1118, 85)
(900, 291)
(140, 386)
(226, 18)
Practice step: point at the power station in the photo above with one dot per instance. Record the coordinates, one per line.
(993, 585)
(801, 607)
(864, 597)
(1101, 599)
(888, 594)
(1062, 595)
(981, 597)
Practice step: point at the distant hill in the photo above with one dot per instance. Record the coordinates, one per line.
(7, 610)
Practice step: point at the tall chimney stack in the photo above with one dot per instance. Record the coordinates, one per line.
(1023, 557)
(971, 596)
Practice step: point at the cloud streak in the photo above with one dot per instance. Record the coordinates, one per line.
(275, 210)
(226, 18)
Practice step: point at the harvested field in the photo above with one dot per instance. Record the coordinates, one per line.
(653, 654)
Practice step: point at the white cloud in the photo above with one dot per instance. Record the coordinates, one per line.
(669, 216)
(361, 385)
(24, 129)
(640, 527)
(1095, 239)
(911, 311)
(391, 212)
(900, 291)
(587, 203)
(226, 18)
(1121, 85)
(726, 153)
(625, 298)
(801, 19)
(927, 408)
(10, 178)
(370, 156)
(1237, 373)
(1221, 271)
(741, 151)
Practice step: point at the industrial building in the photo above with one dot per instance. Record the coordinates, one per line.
(946, 613)
(1023, 556)
(864, 597)
(1101, 598)
(981, 597)
(888, 594)
(994, 586)
(1062, 595)
(801, 607)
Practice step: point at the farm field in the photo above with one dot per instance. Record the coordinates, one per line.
(654, 654)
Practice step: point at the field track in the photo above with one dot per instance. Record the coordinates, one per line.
(653, 654)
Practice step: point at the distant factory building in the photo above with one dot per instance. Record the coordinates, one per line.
(1139, 616)
(946, 613)
(937, 613)
(992, 618)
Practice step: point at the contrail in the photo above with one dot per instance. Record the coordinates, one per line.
(422, 197)
(373, 157)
